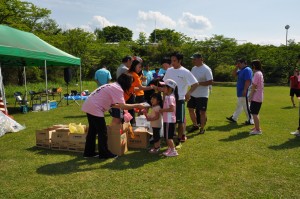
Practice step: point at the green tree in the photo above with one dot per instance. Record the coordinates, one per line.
(113, 34)
(171, 36)
(21, 14)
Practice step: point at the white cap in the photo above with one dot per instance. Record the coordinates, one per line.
(169, 82)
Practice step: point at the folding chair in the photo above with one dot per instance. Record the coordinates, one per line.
(18, 98)
(35, 98)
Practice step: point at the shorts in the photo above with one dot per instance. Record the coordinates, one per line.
(139, 99)
(180, 111)
(115, 112)
(156, 134)
(255, 107)
(294, 91)
(169, 130)
(198, 103)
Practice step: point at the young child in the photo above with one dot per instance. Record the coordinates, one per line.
(169, 115)
(256, 95)
(155, 119)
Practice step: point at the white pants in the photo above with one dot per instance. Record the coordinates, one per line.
(242, 104)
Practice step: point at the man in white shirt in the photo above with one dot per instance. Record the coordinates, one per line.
(126, 63)
(183, 78)
(199, 97)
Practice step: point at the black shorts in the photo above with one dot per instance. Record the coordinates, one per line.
(156, 134)
(255, 107)
(180, 111)
(294, 91)
(169, 130)
(198, 103)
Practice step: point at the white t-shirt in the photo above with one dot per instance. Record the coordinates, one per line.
(183, 78)
(202, 73)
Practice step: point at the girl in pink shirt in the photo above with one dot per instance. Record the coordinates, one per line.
(169, 115)
(99, 101)
(155, 119)
(256, 95)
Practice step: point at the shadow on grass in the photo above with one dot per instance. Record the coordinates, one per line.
(133, 160)
(239, 136)
(290, 144)
(225, 128)
(288, 107)
(66, 167)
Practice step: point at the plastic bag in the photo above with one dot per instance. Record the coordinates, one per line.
(8, 125)
(127, 116)
(76, 128)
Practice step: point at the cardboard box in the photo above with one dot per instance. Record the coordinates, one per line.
(43, 137)
(141, 138)
(60, 139)
(117, 139)
(77, 142)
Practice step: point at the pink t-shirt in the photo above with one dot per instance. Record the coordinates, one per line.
(169, 117)
(258, 80)
(155, 123)
(101, 99)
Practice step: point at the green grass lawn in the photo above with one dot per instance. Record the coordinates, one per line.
(225, 162)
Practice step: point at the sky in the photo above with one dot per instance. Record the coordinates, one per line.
(257, 21)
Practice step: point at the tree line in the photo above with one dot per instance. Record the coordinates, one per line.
(109, 45)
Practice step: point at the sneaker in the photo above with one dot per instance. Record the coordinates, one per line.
(183, 138)
(154, 150)
(248, 123)
(194, 128)
(172, 153)
(202, 131)
(295, 133)
(178, 146)
(109, 155)
(91, 156)
(230, 119)
(167, 151)
(255, 132)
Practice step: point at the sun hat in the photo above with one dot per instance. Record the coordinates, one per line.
(169, 82)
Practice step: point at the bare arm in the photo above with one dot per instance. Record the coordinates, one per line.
(253, 89)
(170, 109)
(156, 117)
(234, 72)
(246, 86)
(206, 83)
(128, 106)
(188, 94)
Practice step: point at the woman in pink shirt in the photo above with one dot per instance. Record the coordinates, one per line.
(99, 101)
(256, 95)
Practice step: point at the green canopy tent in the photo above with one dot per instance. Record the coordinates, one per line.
(19, 48)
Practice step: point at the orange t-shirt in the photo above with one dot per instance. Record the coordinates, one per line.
(137, 82)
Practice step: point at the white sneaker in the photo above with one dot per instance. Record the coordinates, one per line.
(172, 153)
(255, 132)
(167, 151)
(295, 133)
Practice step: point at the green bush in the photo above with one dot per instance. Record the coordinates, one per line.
(223, 73)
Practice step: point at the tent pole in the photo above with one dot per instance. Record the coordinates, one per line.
(80, 78)
(46, 84)
(3, 91)
(25, 82)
